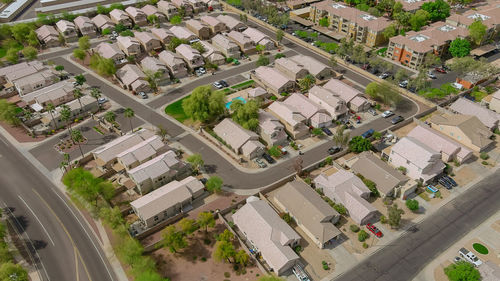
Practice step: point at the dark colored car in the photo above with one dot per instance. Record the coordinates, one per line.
(268, 158)
(327, 131)
(452, 181)
(203, 181)
(373, 70)
(397, 119)
(223, 83)
(368, 133)
(373, 229)
(334, 149)
(444, 183)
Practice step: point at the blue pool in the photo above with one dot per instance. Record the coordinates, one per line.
(228, 104)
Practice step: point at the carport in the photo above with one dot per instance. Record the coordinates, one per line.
(483, 50)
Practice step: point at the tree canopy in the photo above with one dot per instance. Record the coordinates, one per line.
(262, 60)
(462, 271)
(477, 30)
(8, 113)
(460, 48)
(204, 104)
(383, 92)
(438, 10)
(11, 272)
(246, 114)
(173, 239)
(214, 184)
(103, 66)
(359, 144)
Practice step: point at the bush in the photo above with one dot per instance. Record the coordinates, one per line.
(203, 259)
(412, 204)
(227, 274)
(297, 249)
(275, 151)
(484, 156)
(485, 163)
(383, 220)
(273, 98)
(308, 180)
(359, 144)
(354, 228)
(362, 236)
(340, 209)
(402, 170)
(462, 271)
(325, 265)
(329, 160)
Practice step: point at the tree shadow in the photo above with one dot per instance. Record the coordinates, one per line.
(39, 244)
(21, 223)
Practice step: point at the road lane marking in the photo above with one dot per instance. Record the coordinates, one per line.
(4, 142)
(76, 264)
(84, 265)
(36, 217)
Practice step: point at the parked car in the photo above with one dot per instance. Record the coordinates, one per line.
(451, 180)
(397, 119)
(440, 69)
(327, 131)
(224, 83)
(368, 133)
(268, 158)
(387, 113)
(142, 95)
(260, 163)
(334, 149)
(444, 183)
(203, 181)
(372, 111)
(101, 100)
(300, 273)
(217, 85)
(457, 259)
(384, 75)
(432, 189)
(470, 257)
(431, 75)
(373, 229)
(403, 84)
(202, 70)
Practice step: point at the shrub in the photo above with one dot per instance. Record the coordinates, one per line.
(328, 160)
(273, 98)
(402, 170)
(275, 151)
(480, 248)
(203, 259)
(362, 236)
(340, 209)
(287, 218)
(207, 241)
(412, 204)
(325, 265)
(354, 228)
(359, 144)
(485, 163)
(308, 180)
(484, 156)
(227, 274)
(383, 219)
(297, 249)
(365, 245)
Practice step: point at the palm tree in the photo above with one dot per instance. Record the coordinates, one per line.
(77, 93)
(307, 82)
(65, 162)
(129, 113)
(27, 114)
(162, 133)
(96, 94)
(76, 136)
(50, 109)
(65, 113)
(110, 116)
(153, 79)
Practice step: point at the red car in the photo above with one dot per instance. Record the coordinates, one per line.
(374, 230)
(440, 69)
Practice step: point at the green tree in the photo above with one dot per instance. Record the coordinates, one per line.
(30, 53)
(120, 28)
(77, 137)
(307, 82)
(401, 75)
(174, 43)
(395, 215)
(206, 220)
(152, 19)
(112, 216)
(438, 10)
(274, 151)
(12, 56)
(362, 235)
(127, 33)
(214, 184)
(79, 54)
(359, 144)
(21, 31)
(383, 92)
(13, 272)
(129, 113)
(246, 114)
(317, 132)
(103, 66)
(333, 61)
(242, 258)
(262, 60)
(345, 47)
(175, 20)
(341, 138)
(173, 239)
(204, 104)
(279, 35)
(196, 161)
(459, 48)
(150, 275)
(462, 271)
(390, 31)
(224, 251)
(106, 31)
(77, 93)
(110, 116)
(271, 278)
(324, 22)
(8, 113)
(477, 31)
(96, 94)
(84, 43)
(187, 226)
(59, 68)
(412, 204)
(260, 48)
(227, 236)
(418, 20)
(50, 108)
(153, 79)
(198, 46)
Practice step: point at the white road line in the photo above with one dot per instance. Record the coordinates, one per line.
(36, 217)
(4, 142)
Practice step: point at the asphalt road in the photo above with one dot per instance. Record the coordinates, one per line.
(404, 258)
(61, 244)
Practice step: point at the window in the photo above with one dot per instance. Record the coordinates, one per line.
(408, 162)
(156, 218)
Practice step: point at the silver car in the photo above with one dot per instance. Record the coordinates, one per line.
(260, 163)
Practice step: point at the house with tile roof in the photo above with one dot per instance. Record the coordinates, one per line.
(201, 30)
(198, 5)
(184, 4)
(319, 70)
(420, 161)
(215, 25)
(120, 17)
(315, 115)
(132, 78)
(174, 63)
(309, 211)
(270, 129)
(26, 77)
(495, 102)
(141, 152)
(85, 26)
(465, 129)
(347, 189)
(290, 68)
(56, 94)
(489, 15)
(129, 45)
(247, 46)
(190, 55)
(183, 33)
(163, 34)
(412, 5)
(78, 109)
(332, 103)
(110, 51)
(212, 54)
(151, 10)
(260, 38)
(241, 141)
(137, 15)
(167, 8)
(273, 80)
(155, 65)
(268, 234)
(68, 30)
(167, 201)
(103, 22)
(290, 116)
(231, 23)
(226, 46)
(148, 41)
(354, 98)
(488, 117)
(48, 36)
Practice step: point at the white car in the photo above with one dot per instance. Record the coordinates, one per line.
(202, 70)
(300, 273)
(101, 100)
(387, 113)
(457, 86)
(217, 85)
(470, 257)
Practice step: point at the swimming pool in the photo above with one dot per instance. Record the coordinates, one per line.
(228, 104)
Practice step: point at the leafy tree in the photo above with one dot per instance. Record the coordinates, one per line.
(112, 216)
(260, 48)
(227, 236)
(224, 251)
(395, 215)
(80, 79)
(279, 35)
(412, 204)
(120, 28)
(173, 239)
(59, 68)
(362, 235)
(477, 31)
(374, 12)
(345, 47)
(30, 53)
(214, 184)
(32, 39)
(383, 92)
(153, 79)
(340, 137)
(359, 144)
(150, 275)
(196, 161)
(11, 272)
(206, 219)
(420, 82)
(110, 116)
(152, 19)
(403, 20)
(5, 254)
(460, 48)
(418, 20)
(84, 43)
(175, 20)
(127, 33)
(246, 114)
(401, 75)
(262, 60)
(204, 104)
(317, 132)
(462, 271)
(96, 94)
(103, 66)
(174, 43)
(438, 10)
(324, 22)
(469, 64)
(79, 54)
(274, 151)
(390, 31)
(106, 31)
(12, 56)
(188, 226)
(307, 82)
(359, 55)
(241, 257)
(8, 113)
(198, 46)
(398, 8)
(21, 31)
(129, 113)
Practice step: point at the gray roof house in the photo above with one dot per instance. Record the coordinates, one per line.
(68, 30)
(110, 51)
(120, 17)
(270, 129)
(355, 99)
(183, 33)
(132, 78)
(311, 213)
(151, 10)
(174, 63)
(241, 141)
(294, 121)
(163, 34)
(137, 15)
(291, 69)
(78, 108)
(268, 234)
(260, 38)
(316, 68)
(466, 107)
(246, 44)
(148, 41)
(86, 26)
(103, 22)
(212, 54)
(48, 36)
(188, 7)
(231, 23)
(199, 28)
(129, 45)
(336, 106)
(167, 8)
(315, 115)
(190, 55)
(347, 189)
(273, 81)
(141, 152)
(56, 94)
(226, 46)
(215, 25)
(155, 65)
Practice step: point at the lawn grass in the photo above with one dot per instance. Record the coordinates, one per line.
(478, 95)
(480, 248)
(175, 110)
(3, 52)
(245, 84)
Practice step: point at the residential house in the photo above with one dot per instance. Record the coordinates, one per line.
(103, 22)
(167, 201)
(240, 140)
(354, 99)
(198, 5)
(260, 38)
(347, 189)
(190, 55)
(212, 4)
(412, 48)
(270, 129)
(167, 8)
(132, 78)
(257, 92)
(386, 178)
(148, 41)
(332, 103)
(291, 69)
(137, 15)
(105, 155)
(472, 79)
(68, 30)
(226, 46)
(495, 101)
(212, 54)
(319, 70)
(183, 33)
(216, 26)
(174, 63)
(56, 94)
(246, 44)
(450, 150)
(120, 17)
(294, 121)
(231, 23)
(85, 26)
(465, 129)
(200, 29)
(163, 34)
(418, 160)
(151, 10)
(489, 15)
(309, 211)
(273, 81)
(158, 171)
(268, 234)
(26, 77)
(141, 152)
(184, 4)
(129, 45)
(351, 22)
(48, 36)
(315, 115)
(155, 65)
(488, 117)
(111, 51)
(78, 108)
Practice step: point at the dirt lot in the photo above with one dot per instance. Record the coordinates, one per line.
(314, 257)
(464, 176)
(351, 243)
(188, 264)
(439, 272)
(406, 218)
(403, 131)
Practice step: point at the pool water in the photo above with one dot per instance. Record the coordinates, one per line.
(228, 104)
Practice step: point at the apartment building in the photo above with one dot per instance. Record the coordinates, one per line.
(489, 15)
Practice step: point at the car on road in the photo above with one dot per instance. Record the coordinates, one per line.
(387, 113)
(384, 75)
(431, 75)
(373, 229)
(217, 85)
(223, 83)
(470, 257)
(403, 84)
(397, 119)
(334, 149)
(372, 111)
(440, 70)
(101, 100)
(268, 158)
(260, 163)
(327, 131)
(367, 134)
(142, 95)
